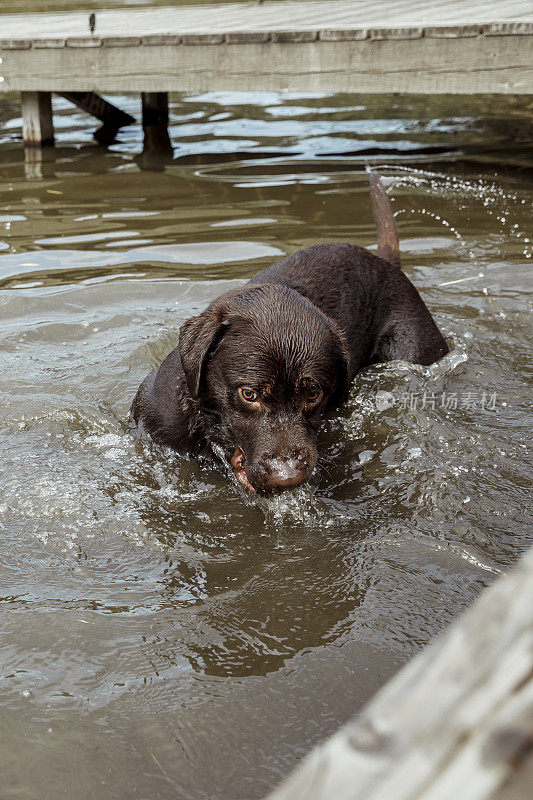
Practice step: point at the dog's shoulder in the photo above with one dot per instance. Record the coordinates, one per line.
(164, 408)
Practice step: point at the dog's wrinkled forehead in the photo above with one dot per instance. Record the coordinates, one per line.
(275, 335)
(262, 333)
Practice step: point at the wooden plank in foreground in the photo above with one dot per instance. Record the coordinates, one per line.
(455, 724)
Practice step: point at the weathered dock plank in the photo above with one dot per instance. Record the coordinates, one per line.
(431, 65)
(341, 45)
(289, 15)
(456, 722)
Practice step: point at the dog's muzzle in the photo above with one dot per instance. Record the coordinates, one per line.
(272, 474)
(285, 473)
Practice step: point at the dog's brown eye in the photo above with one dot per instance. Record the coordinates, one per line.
(312, 394)
(248, 394)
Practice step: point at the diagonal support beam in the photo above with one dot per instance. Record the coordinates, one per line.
(93, 104)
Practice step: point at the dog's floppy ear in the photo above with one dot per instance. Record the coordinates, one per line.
(340, 394)
(198, 337)
(342, 369)
(343, 385)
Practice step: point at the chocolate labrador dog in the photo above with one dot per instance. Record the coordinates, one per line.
(253, 374)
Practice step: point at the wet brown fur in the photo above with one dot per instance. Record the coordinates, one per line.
(317, 317)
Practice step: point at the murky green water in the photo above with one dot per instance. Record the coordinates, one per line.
(163, 635)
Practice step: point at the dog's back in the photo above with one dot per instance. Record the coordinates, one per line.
(376, 306)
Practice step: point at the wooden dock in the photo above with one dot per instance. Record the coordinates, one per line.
(408, 46)
(456, 723)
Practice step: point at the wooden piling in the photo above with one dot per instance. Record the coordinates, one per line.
(154, 109)
(37, 123)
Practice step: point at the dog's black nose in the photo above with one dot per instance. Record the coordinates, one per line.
(285, 472)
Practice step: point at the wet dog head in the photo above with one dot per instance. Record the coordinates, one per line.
(264, 365)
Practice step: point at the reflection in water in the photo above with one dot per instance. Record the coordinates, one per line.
(157, 148)
(160, 628)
